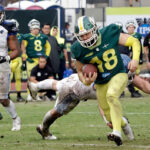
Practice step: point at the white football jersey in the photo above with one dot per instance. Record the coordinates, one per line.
(4, 48)
(3, 41)
(72, 84)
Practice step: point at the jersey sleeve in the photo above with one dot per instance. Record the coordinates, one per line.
(111, 32)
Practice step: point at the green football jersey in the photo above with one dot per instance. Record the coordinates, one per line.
(105, 56)
(137, 35)
(35, 45)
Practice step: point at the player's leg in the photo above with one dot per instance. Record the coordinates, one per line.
(30, 66)
(108, 96)
(42, 85)
(63, 106)
(17, 75)
(8, 104)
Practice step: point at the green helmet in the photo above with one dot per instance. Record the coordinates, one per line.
(86, 25)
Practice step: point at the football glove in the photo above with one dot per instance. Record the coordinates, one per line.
(23, 65)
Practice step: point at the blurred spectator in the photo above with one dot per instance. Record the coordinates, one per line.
(53, 61)
(146, 45)
(131, 2)
(41, 72)
(63, 56)
(68, 34)
(34, 45)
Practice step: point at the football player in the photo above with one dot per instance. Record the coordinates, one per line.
(130, 27)
(100, 47)
(34, 45)
(71, 90)
(8, 38)
(16, 65)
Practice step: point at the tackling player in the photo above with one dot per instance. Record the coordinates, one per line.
(8, 38)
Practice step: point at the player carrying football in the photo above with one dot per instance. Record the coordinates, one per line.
(100, 47)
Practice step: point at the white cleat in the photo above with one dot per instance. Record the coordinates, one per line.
(33, 89)
(127, 129)
(46, 135)
(29, 98)
(16, 124)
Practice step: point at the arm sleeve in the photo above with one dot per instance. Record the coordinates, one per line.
(47, 48)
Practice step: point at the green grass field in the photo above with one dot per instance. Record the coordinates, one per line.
(82, 129)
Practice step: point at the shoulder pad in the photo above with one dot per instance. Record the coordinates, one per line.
(10, 26)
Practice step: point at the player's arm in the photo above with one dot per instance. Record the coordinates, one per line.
(47, 48)
(128, 40)
(24, 44)
(146, 53)
(33, 79)
(66, 57)
(13, 44)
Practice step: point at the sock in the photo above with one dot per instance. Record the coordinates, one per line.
(18, 94)
(11, 110)
(48, 120)
(44, 85)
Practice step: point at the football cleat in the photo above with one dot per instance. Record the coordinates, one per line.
(16, 124)
(46, 135)
(33, 89)
(127, 129)
(116, 137)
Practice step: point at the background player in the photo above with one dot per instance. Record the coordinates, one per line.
(8, 39)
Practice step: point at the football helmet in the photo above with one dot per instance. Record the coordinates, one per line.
(2, 14)
(16, 23)
(34, 24)
(129, 23)
(86, 25)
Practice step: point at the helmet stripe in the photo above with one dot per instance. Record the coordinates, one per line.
(80, 24)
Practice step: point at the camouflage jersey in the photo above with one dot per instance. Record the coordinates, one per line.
(105, 55)
(35, 45)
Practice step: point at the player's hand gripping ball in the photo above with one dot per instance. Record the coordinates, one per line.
(87, 68)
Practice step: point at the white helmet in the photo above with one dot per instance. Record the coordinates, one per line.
(34, 24)
(130, 23)
(86, 25)
(16, 22)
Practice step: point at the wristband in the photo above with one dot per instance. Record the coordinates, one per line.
(67, 62)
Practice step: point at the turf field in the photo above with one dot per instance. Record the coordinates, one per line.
(82, 129)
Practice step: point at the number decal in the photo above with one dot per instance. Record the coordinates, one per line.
(110, 60)
(38, 46)
(99, 62)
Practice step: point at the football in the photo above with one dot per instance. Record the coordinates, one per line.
(87, 68)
